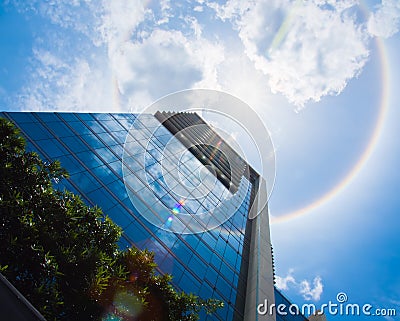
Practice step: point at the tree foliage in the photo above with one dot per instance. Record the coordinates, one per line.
(64, 256)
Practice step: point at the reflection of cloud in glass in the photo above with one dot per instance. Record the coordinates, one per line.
(184, 192)
(161, 168)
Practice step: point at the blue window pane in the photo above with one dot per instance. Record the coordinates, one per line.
(159, 250)
(21, 118)
(204, 252)
(223, 287)
(106, 154)
(107, 139)
(126, 123)
(92, 141)
(79, 128)
(71, 164)
(206, 291)
(193, 240)
(112, 125)
(102, 198)
(85, 181)
(35, 131)
(116, 166)
(216, 262)
(68, 117)
(183, 252)
(117, 149)
(222, 313)
(89, 159)
(123, 243)
(60, 129)
(74, 144)
(104, 174)
(228, 273)
(229, 315)
(52, 148)
(197, 266)
(120, 136)
(120, 216)
(166, 264)
(230, 255)
(84, 116)
(177, 272)
(66, 185)
(101, 116)
(95, 126)
(48, 117)
(211, 275)
(189, 284)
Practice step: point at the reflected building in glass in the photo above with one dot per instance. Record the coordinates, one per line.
(176, 188)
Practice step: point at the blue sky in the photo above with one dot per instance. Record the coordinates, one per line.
(322, 74)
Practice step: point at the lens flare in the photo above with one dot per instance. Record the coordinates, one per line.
(215, 150)
(125, 306)
(168, 223)
(177, 208)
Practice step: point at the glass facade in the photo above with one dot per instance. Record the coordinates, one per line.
(91, 148)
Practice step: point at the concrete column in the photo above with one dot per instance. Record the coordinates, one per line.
(260, 278)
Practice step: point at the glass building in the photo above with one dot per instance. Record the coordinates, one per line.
(176, 188)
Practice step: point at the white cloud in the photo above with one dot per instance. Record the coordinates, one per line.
(165, 62)
(130, 62)
(303, 50)
(119, 19)
(58, 85)
(307, 49)
(385, 21)
(303, 287)
(282, 282)
(166, 11)
(103, 22)
(231, 9)
(312, 293)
